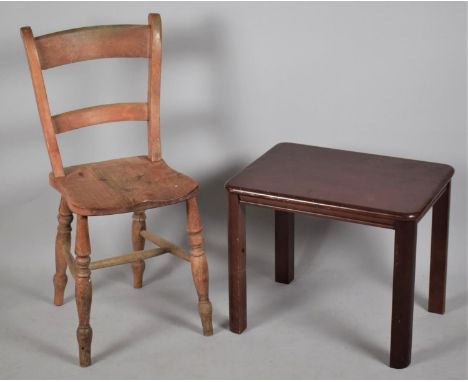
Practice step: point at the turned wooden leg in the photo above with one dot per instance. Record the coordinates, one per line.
(199, 265)
(138, 266)
(439, 247)
(284, 247)
(403, 293)
(237, 275)
(62, 244)
(83, 289)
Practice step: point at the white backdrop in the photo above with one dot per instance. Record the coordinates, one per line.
(385, 78)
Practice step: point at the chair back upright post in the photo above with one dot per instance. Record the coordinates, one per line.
(154, 86)
(89, 43)
(42, 102)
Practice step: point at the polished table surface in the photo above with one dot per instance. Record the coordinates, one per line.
(382, 185)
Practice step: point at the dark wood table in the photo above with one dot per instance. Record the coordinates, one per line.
(355, 187)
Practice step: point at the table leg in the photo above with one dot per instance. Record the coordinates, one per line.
(237, 274)
(284, 247)
(439, 246)
(403, 293)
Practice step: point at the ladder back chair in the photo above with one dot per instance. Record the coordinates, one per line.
(116, 186)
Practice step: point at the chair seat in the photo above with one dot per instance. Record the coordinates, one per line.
(122, 185)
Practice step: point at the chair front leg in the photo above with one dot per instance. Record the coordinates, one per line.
(83, 289)
(138, 266)
(199, 265)
(62, 245)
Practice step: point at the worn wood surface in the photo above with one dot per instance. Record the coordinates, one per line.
(70, 260)
(75, 119)
(42, 102)
(122, 185)
(88, 43)
(138, 242)
(154, 87)
(62, 247)
(117, 186)
(83, 289)
(199, 265)
(127, 258)
(165, 244)
(439, 249)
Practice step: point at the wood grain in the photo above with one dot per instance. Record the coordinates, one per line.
(166, 244)
(199, 265)
(116, 186)
(75, 119)
(122, 185)
(83, 289)
(138, 242)
(154, 87)
(62, 247)
(88, 43)
(127, 258)
(42, 102)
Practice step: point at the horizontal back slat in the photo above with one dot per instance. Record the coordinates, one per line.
(71, 120)
(89, 43)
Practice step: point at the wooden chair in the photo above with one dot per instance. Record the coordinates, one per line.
(117, 186)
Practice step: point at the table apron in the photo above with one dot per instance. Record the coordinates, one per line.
(331, 212)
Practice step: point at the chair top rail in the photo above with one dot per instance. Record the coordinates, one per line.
(88, 43)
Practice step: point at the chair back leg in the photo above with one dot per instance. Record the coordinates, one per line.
(62, 247)
(138, 242)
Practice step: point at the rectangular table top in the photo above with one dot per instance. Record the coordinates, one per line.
(364, 182)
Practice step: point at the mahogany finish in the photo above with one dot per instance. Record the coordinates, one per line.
(439, 249)
(404, 265)
(284, 247)
(343, 185)
(346, 181)
(237, 264)
(116, 186)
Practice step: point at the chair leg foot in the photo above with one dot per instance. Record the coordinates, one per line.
(84, 336)
(60, 282)
(206, 312)
(138, 242)
(138, 267)
(199, 265)
(62, 244)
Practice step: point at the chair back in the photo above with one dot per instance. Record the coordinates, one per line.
(89, 43)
